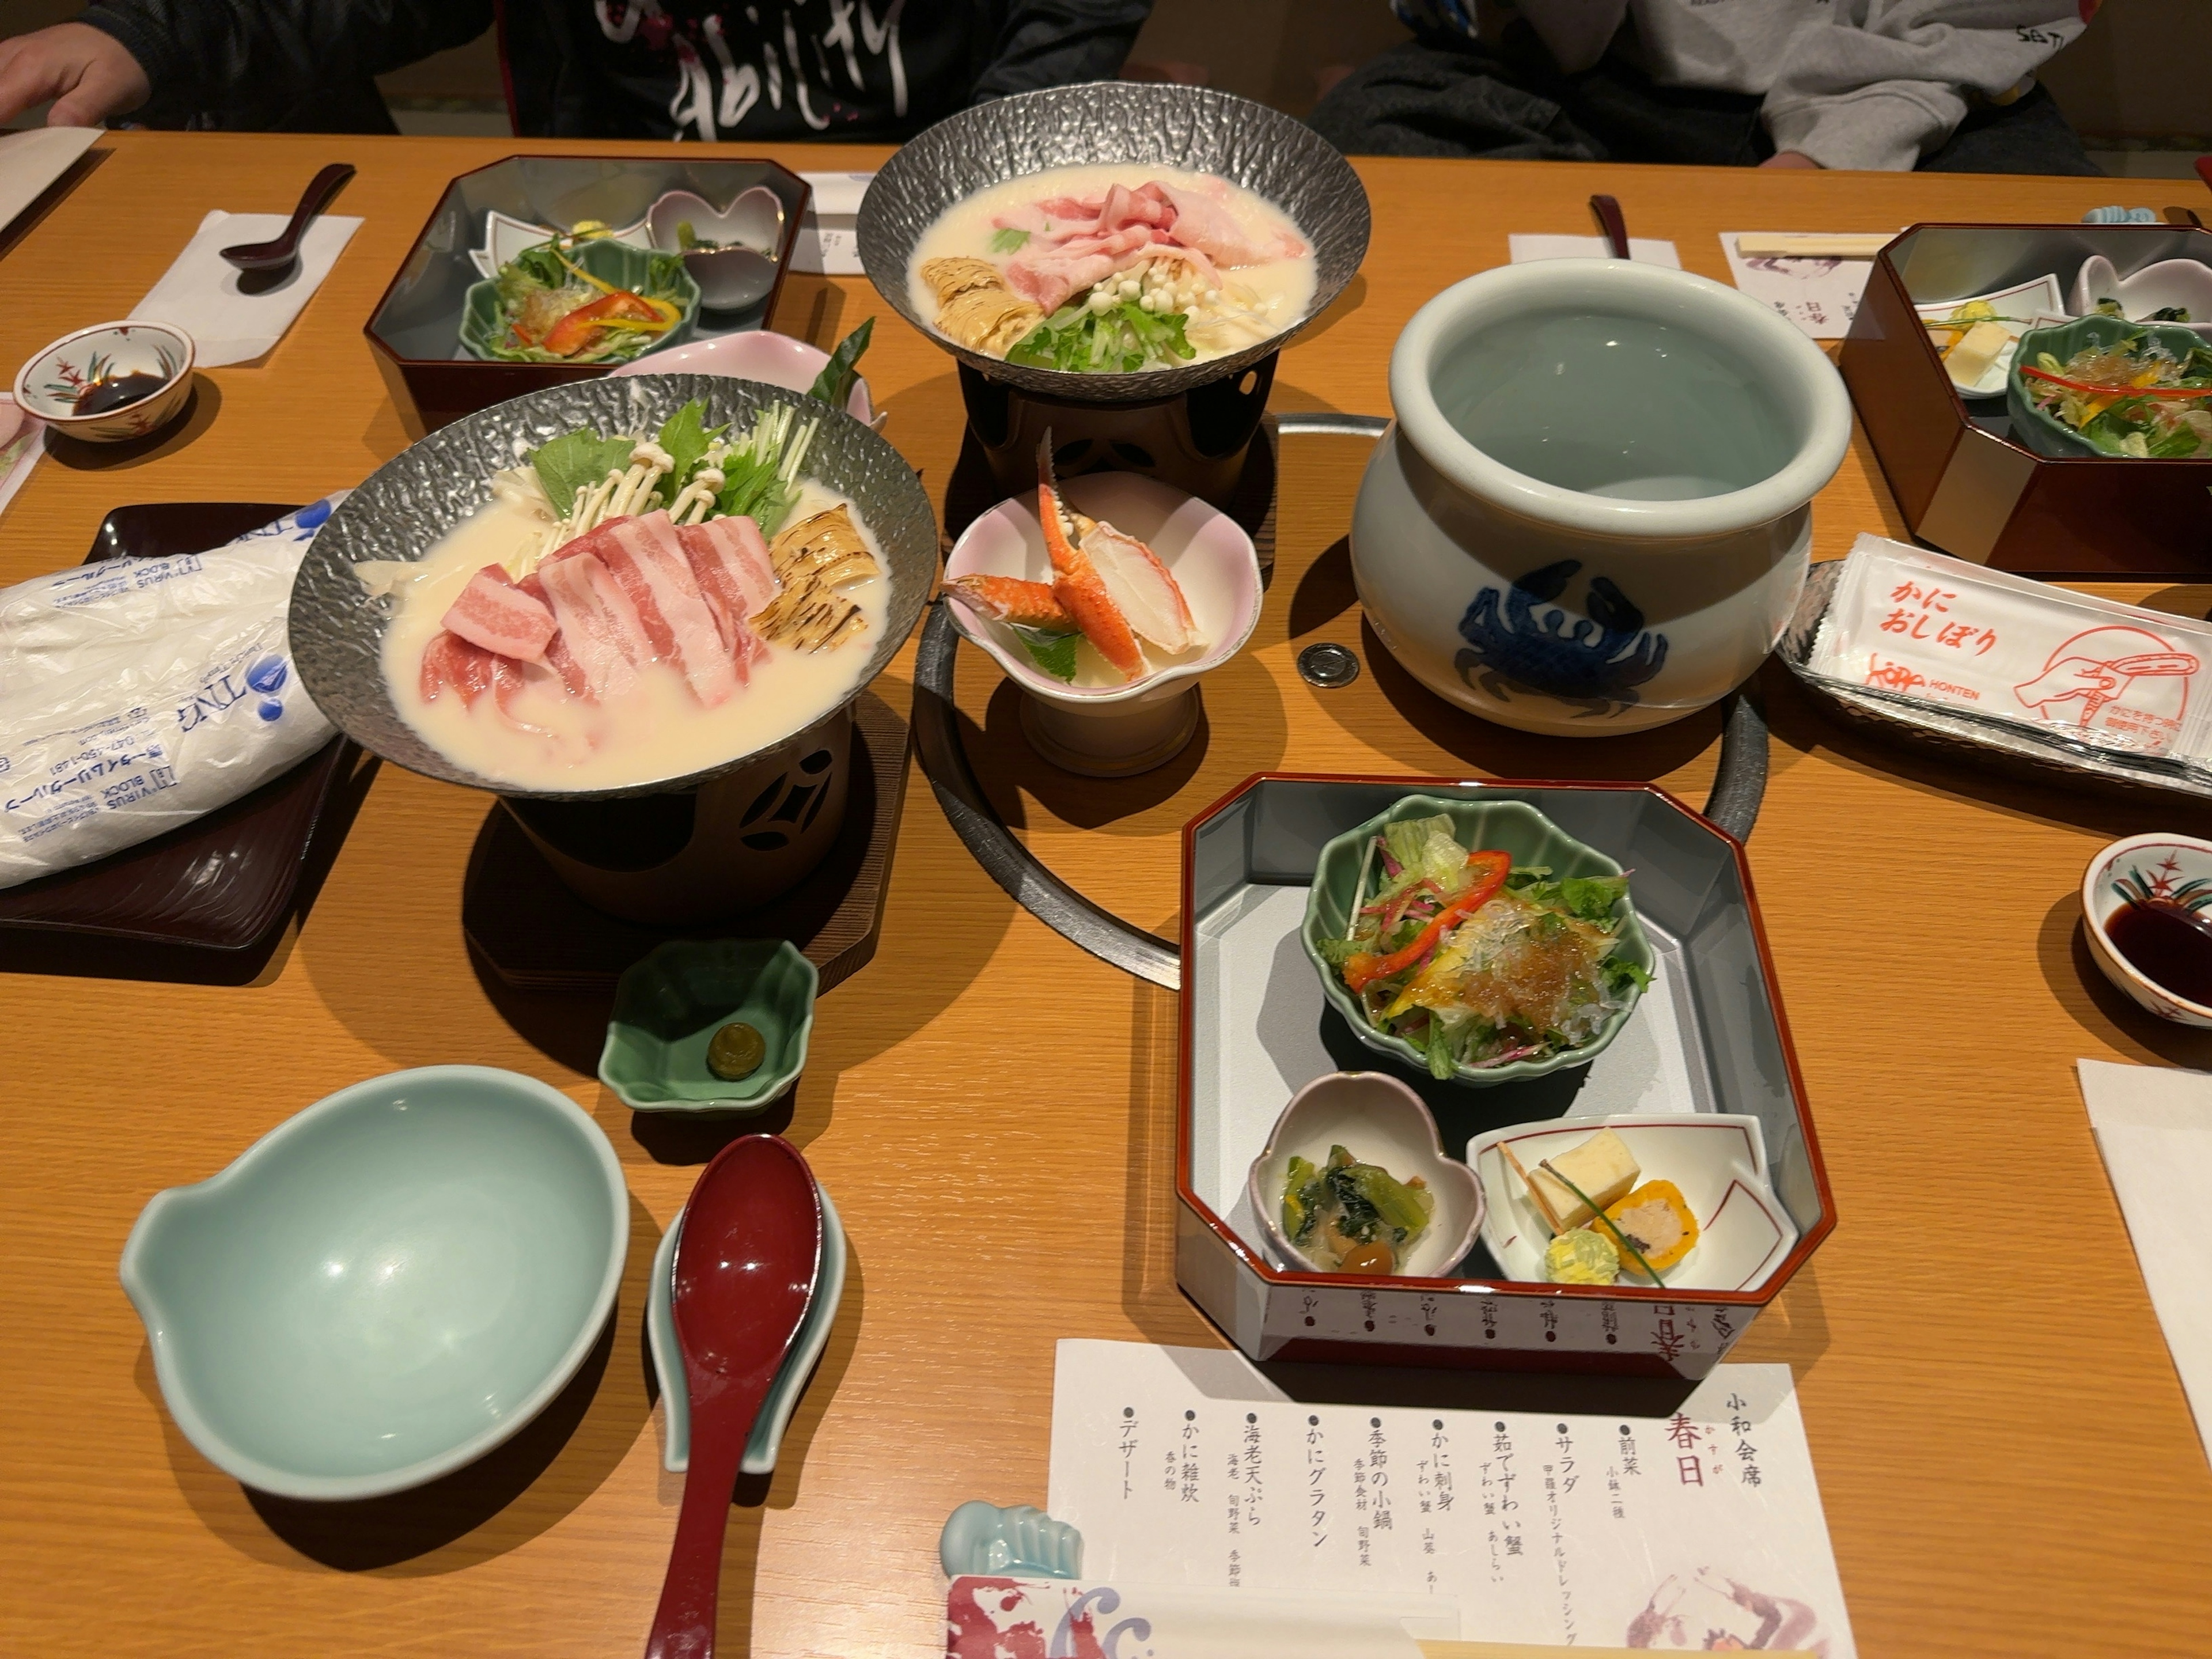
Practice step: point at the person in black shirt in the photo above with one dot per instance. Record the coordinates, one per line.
(751, 70)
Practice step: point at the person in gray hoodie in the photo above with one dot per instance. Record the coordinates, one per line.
(1880, 84)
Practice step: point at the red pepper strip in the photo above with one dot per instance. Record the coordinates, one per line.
(1490, 868)
(574, 332)
(2118, 391)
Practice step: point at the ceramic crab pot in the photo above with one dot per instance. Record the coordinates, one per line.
(1707, 1037)
(1593, 514)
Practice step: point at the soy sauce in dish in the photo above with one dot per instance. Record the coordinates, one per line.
(2168, 944)
(113, 392)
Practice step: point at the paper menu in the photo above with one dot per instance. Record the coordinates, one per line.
(1188, 1466)
(1821, 296)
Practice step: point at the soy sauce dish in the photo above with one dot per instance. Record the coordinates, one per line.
(110, 383)
(2147, 909)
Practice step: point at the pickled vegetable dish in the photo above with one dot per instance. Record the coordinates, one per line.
(1479, 963)
(2132, 398)
(1347, 1217)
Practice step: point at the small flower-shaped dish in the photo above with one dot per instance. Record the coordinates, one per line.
(1511, 826)
(739, 269)
(2044, 433)
(617, 262)
(1718, 1160)
(386, 1286)
(754, 355)
(1378, 1120)
(2168, 285)
(799, 1360)
(668, 1007)
(2169, 878)
(50, 385)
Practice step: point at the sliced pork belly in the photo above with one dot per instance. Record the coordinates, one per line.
(493, 612)
(1205, 224)
(451, 663)
(647, 559)
(561, 660)
(729, 558)
(599, 626)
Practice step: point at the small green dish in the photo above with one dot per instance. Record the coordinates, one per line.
(617, 262)
(1511, 826)
(668, 1007)
(2044, 433)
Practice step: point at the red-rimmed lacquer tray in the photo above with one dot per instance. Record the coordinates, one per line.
(1709, 1037)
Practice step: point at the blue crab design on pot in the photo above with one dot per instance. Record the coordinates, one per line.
(1554, 655)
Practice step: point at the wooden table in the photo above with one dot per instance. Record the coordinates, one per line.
(2007, 1460)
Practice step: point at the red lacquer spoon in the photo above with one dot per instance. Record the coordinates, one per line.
(745, 1271)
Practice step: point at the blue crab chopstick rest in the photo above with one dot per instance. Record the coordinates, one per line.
(1022, 1541)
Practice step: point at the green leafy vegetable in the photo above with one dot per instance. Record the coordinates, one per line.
(684, 436)
(760, 475)
(834, 385)
(582, 459)
(686, 237)
(1119, 340)
(1051, 650)
(1009, 241)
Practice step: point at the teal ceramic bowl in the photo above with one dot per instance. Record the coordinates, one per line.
(1513, 826)
(668, 1007)
(799, 1360)
(617, 262)
(2046, 434)
(385, 1287)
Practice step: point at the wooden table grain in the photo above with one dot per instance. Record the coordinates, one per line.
(2007, 1463)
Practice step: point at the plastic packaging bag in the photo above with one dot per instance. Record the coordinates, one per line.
(136, 695)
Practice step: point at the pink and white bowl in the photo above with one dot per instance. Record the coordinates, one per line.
(47, 385)
(755, 354)
(2165, 865)
(1099, 725)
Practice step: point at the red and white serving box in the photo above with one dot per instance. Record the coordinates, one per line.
(1709, 1037)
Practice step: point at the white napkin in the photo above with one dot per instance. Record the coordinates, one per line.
(1646, 250)
(2153, 1126)
(201, 294)
(32, 159)
(828, 243)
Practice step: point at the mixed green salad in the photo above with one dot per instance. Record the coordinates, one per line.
(552, 310)
(2133, 398)
(1477, 962)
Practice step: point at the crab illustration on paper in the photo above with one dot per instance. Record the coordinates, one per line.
(1595, 662)
(2125, 681)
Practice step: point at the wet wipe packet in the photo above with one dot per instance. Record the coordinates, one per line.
(1918, 625)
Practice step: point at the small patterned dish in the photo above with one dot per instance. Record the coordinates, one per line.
(1511, 826)
(1716, 1159)
(2166, 877)
(668, 1007)
(52, 383)
(799, 1360)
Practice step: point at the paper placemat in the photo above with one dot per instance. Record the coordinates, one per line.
(1187, 1466)
(203, 295)
(1821, 296)
(2153, 1128)
(828, 244)
(1527, 249)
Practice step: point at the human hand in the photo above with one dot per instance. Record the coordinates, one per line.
(1790, 158)
(89, 74)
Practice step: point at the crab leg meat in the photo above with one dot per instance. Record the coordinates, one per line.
(1076, 582)
(1009, 598)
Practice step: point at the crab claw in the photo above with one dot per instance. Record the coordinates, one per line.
(1143, 589)
(1009, 598)
(1076, 583)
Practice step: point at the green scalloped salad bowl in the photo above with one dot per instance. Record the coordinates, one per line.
(1511, 826)
(2044, 433)
(618, 263)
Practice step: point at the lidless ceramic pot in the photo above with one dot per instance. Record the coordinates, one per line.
(1593, 512)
